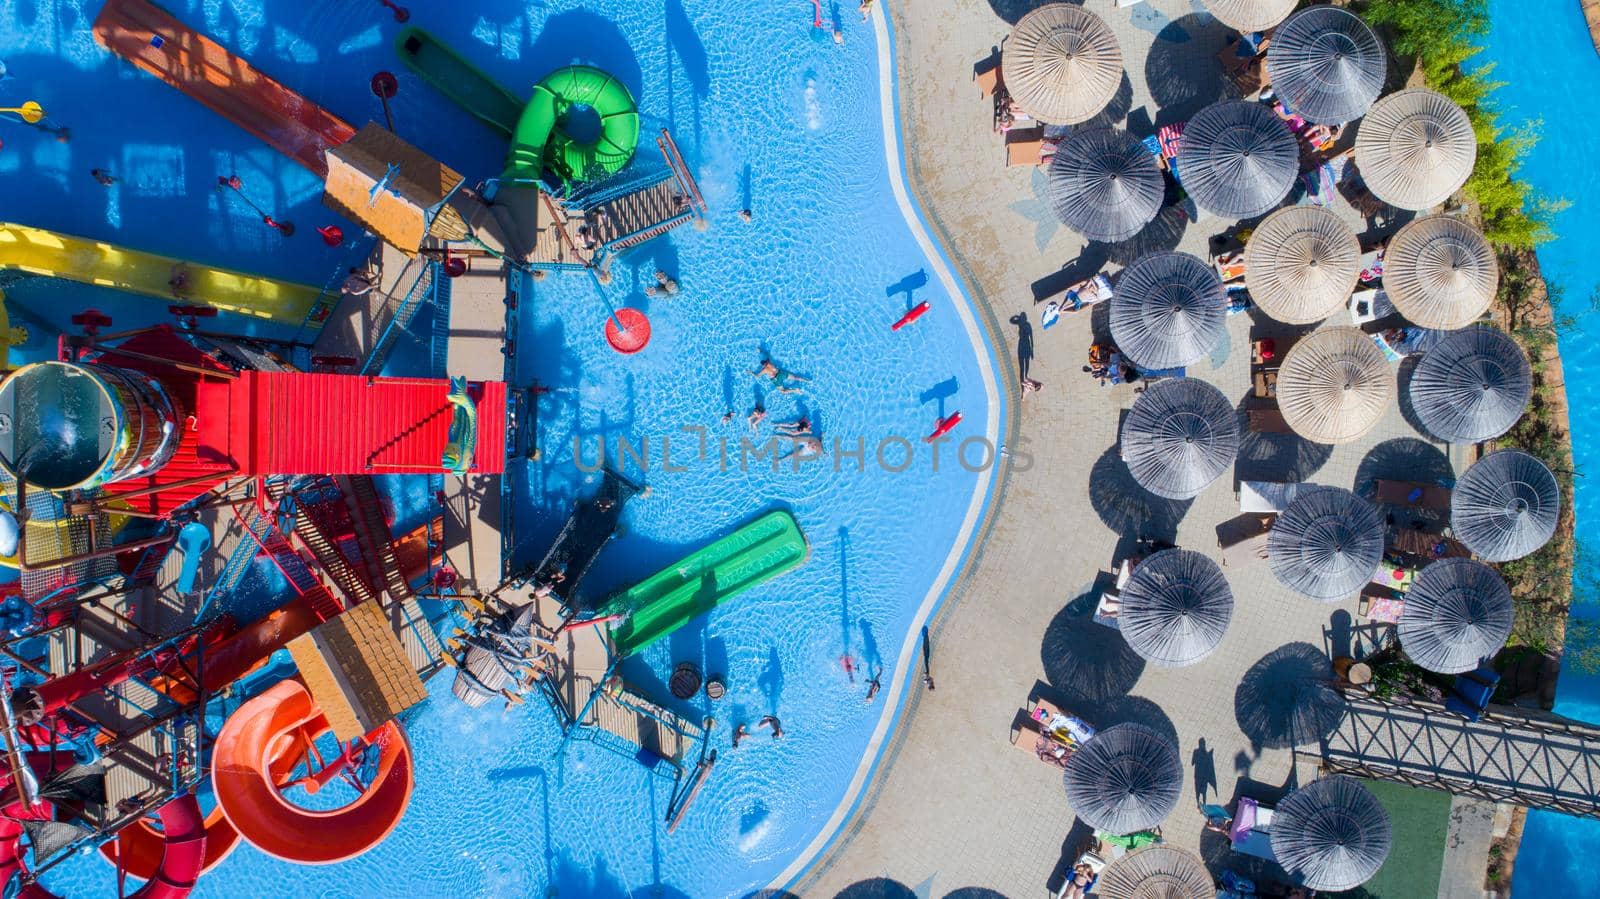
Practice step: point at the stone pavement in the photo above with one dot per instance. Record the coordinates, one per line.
(957, 805)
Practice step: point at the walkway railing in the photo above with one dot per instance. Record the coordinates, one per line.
(398, 310)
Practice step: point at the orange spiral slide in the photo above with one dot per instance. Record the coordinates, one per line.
(254, 757)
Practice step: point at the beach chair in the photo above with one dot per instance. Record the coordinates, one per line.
(1025, 146)
(1414, 495)
(1250, 833)
(989, 81)
(1268, 421)
(1243, 538)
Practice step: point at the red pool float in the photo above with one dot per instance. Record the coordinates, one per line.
(631, 335)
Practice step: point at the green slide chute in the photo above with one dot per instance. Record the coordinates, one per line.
(580, 123)
(754, 554)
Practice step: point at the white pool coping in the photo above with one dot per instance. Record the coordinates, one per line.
(899, 682)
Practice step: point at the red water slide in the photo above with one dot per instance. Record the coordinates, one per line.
(193, 63)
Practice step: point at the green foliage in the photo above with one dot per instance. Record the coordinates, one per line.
(1443, 35)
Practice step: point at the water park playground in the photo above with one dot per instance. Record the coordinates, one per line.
(495, 449)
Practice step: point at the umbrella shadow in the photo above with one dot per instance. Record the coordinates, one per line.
(1087, 663)
(975, 893)
(1286, 699)
(1283, 458)
(1407, 371)
(877, 888)
(1013, 10)
(1161, 235)
(1181, 70)
(1402, 459)
(1127, 508)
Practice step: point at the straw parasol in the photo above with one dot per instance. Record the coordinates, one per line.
(1175, 608)
(1167, 310)
(1237, 159)
(1062, 64)
(1250, 15)
(1416, 148)
(1472, 385)
(1457, 613)
(1334, 385)
(1286, 698)
(1105, 185)
(1326, 544)
(1440, 272)
(1331, 834)
(1505, 506)
(1301, 263)
(1180, 436)
(1124, 779)
(1326, 64)
(1161, 871)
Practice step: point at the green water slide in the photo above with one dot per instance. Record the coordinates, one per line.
(580, 122)
(705, 579)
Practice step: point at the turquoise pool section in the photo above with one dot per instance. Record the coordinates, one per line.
(1543, 53)
(774, 117)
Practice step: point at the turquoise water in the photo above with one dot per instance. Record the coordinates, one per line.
(1542, 50)
(771, 119)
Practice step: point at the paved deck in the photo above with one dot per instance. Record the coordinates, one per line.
(956, 805)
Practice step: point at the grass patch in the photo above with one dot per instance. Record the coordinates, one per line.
(1421, 821)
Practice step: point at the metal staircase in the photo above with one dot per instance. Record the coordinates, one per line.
(398, 310)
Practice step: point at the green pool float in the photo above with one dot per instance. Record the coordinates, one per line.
(548, 134)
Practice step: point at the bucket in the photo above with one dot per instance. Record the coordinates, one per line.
(66, 426)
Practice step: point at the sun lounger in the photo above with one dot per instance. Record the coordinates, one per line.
(1279, 345)
(1107, 610)
(989, 81)
(1380, 604)
(1025, 146)
(1243, 539)
(1251, 830)
(1414, 495)
(1428, 546)
(1242, 51)
(1049, 733)
(1268, 421)
(1265, 384)
(1267, 497)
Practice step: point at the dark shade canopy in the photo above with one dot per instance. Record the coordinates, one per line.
(1472, 385)
(1457, 613)
(1062, 64)
(1301, 264)
(1505, 506)
(1180, 436)
(1416, 148)
(1161, 871)
(1167, 310)
(1237, 159)
(1105, 184)
(1440, 272)
(1326, 64)
(1331, 834)
(1334, 386)
(1326, 544)
(1125, 779)
(1250, 15)
(1175, 608)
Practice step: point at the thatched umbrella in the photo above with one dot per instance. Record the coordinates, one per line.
(1326, 544)
(1472, 385)
(1062, 64)
(1301, 263)
(1334, 385)
(1416, 148)
(1331, 834)
(1156, 872)
(1505, 506)
(1326, 64)
(1180, 436)
(1286, 699)
(1440, 272)
(1125, 779)
(1237, 159)
(1175, 608)
(1250, 15)
(1167, 310)
(1457, 613)
(1105, 184)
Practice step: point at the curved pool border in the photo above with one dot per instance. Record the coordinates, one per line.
(984, 334)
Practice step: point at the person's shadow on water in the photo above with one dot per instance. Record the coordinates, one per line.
(1204, 762)
(1024, 342)
(771, 680)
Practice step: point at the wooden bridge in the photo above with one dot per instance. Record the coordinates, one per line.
(1536, 760)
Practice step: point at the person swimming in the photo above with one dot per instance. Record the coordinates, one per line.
(757, 416)
(797, 428)
(772, 722)
(739, 733)
(779, 376)
(874, 685)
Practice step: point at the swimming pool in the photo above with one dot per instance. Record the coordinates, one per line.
(1543, 53)
(772, 119)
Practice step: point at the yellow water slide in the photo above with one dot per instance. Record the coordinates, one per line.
(41, 252)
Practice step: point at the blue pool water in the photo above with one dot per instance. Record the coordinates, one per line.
(1542, 50)
(771, 119)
